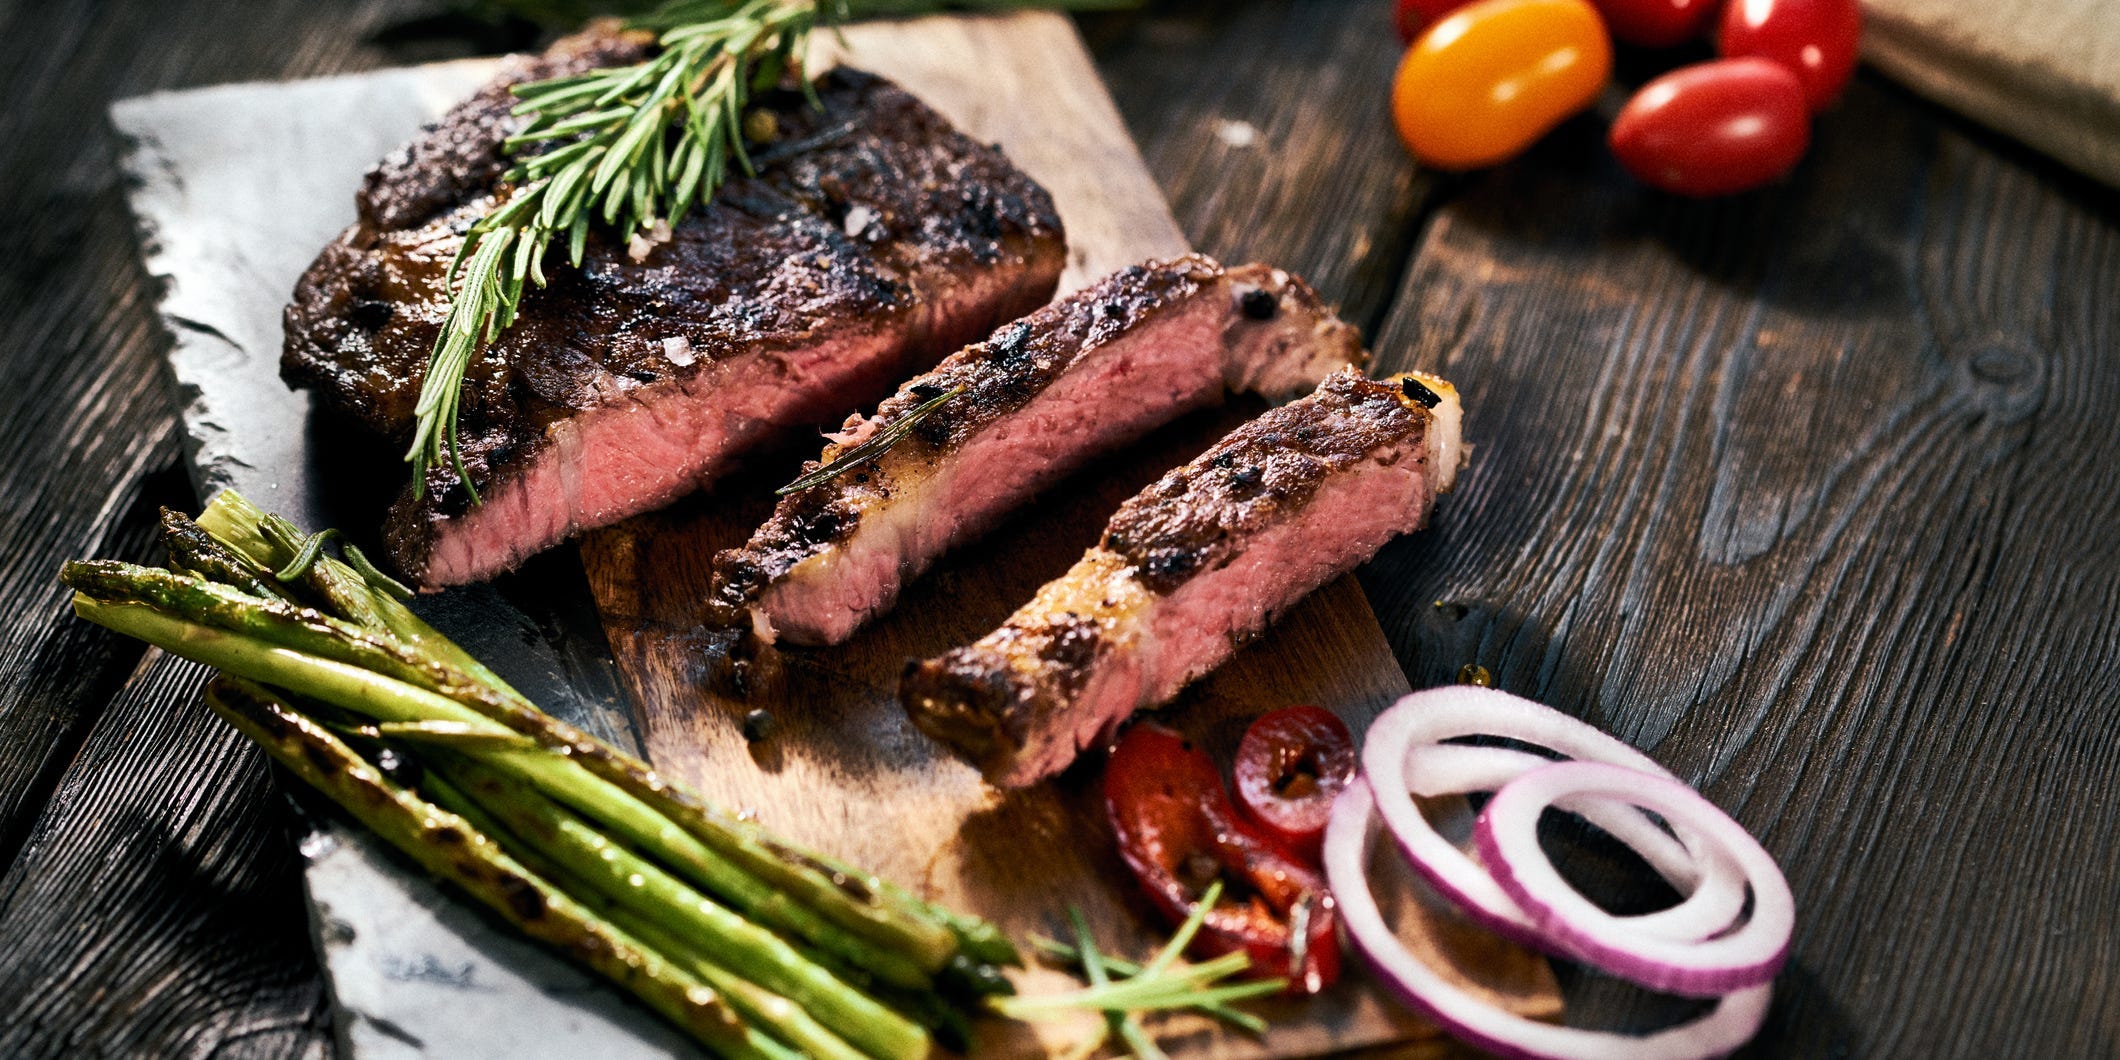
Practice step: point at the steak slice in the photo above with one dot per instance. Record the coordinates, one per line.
(873, 239)
(1189, 569)
(1042, 396)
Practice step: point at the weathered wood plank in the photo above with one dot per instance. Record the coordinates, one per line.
(158, 910)
(1809, 493)
(1267, 124)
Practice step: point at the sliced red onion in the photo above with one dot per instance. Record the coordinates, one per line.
(1424, 719)
(1731, 1023)
(1506, 835)
(1713, 885)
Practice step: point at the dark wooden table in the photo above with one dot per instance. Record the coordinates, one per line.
(1811, 493)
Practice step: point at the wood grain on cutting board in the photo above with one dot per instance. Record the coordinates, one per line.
(845, 771)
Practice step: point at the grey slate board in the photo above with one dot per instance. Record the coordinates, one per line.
(235, 189)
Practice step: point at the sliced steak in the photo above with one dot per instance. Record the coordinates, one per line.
(874, 239)
(1191, 568)
(1041, 396)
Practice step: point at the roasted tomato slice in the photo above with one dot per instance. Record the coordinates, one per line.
(1292, 764)
(1179, 832)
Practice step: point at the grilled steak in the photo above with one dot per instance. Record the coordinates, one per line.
(1040, 397)
(873, 239)
(1189, 569)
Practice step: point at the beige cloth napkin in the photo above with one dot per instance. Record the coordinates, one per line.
(2044, 71)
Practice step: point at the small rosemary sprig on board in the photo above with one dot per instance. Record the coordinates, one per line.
(628, 147)
(1122, 991)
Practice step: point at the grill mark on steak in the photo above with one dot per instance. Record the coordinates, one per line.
(1190, 569)
(874, 238)
(1041, 396)
(457, 158)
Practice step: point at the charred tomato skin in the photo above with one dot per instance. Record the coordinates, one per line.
(1291, 765)
(1178, 832)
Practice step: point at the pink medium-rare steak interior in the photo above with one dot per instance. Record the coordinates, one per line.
(873, 239)
(640, 454)
(1190, 569)
(627, 458)
(1042, 396)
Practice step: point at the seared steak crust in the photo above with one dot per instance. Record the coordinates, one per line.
(458, 159)
(1190, 569)
(1201, 516)
(1040, 397)
(873, 238)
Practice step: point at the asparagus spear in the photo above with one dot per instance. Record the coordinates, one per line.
(666, 903)
(450, 847)
(782, 1018)
(237, 601)
(855, 900)
(192, 549)
(240, 526)
(314, 655)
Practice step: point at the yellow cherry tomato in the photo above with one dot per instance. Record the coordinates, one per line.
(1490, 78)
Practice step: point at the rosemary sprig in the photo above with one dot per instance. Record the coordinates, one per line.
(877, 444)
(629, 147)
(1122, 991)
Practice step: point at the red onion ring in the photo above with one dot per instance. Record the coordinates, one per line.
(1427, 718)
(1732, 1022)
(1713, 885)
(1506, 835)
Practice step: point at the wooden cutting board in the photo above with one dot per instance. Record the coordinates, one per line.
(238, 186)
(844, 770)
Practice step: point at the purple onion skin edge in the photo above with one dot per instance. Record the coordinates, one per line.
(1380, 976)
(1562, 939)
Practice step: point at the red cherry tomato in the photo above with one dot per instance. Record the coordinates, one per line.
(1656, 23)
(1291, 765)
(1815, 38)
(1485, 82)
(1714, 128)
(1179, 832)
(1413, 16)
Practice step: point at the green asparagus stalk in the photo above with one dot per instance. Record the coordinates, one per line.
(252, 596)
(779, 1016)
(240, 526)
(789, 1021)
(268, 645)
(676, 909)
(857, 901)
(192, 549)
(451, 848)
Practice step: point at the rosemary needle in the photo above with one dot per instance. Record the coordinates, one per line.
(1161, 984)
(876, 445)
